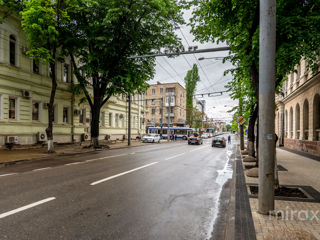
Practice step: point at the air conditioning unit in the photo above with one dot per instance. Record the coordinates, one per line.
(76, 112)
(12, 139)
(26, 94)
(84, 137)
(41, 137)
(45, 105)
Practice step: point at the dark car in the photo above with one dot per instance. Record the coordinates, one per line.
(195, 139)
(218, 142)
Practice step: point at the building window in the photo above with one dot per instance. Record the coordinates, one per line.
(35, 66)
(82, 116)
(117, 120)
(1, 106)
(102, 118)
(153, 102)
(65, 115)
(35, 111)
(66, 73)
(12, 108)
(12, 49)
(110, 119)
(153, 111)
(160, 111)
(161, 90)
(133, 122)
(153, 91)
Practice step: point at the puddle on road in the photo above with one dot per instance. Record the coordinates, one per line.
(224, 175)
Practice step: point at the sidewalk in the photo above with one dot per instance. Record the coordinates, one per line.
(16, 155)
(297, 215)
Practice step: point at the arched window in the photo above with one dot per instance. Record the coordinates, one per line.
(316, 117)
(306, 120)
(286, 125)
(297, 125)
(12, 50)
(291, 123)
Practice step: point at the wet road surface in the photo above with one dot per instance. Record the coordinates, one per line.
(158, 191)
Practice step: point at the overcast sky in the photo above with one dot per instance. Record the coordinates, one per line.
(211, 73)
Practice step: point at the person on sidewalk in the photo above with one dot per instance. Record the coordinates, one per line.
(229, 139)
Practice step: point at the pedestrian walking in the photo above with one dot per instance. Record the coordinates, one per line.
(229, 139)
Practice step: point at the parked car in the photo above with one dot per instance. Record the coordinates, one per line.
(151, 138)
(195, 139)
(218, 142)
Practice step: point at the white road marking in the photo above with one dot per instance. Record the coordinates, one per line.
(6, 214)
(113, 156)
(197, 149)
(123, 173)
(41, 169)
(132, 153)
(178, 155)
(8, 174)
(74, 163)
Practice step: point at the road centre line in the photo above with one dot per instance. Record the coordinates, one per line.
(197, 149)
(121, 174)
(40, 169)
(178, 155)
(6, 214)
(8, 174)
(74, 163)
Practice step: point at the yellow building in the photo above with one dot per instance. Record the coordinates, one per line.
(297, 120)
(25, 91)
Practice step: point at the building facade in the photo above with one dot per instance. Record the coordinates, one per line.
(166, 102)
(297, 120)
(25, 87)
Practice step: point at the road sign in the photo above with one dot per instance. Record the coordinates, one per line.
(241, 120)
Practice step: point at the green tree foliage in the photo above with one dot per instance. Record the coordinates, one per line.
(103, 34)
(191, 80)
(42, 22)
(236, 22)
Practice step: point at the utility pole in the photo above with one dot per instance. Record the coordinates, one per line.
(129, 120)
(169, 112)
(161, 121)
(267, 105)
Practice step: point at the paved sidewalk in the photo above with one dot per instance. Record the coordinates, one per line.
(297, 214)
(14, 155)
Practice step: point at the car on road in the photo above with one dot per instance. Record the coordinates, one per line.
(151, 138)
(205, 135)
(218, 142)
(195, 139)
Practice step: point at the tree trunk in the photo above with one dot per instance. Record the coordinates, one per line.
(95, 120)
(251, 137)
(49, 129)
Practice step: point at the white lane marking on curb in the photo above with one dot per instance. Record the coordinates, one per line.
(178, 155)
(197, 149)
(6, 214)
(74, 163)
(40, 169)
(8, 174)
(132, 153)
(123, 173)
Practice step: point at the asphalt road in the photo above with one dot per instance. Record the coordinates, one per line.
(159, 191)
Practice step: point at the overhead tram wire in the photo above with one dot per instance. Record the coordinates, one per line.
(195, 56)
(165, 69)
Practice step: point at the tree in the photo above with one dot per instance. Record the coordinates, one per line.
(103, 34)
(42, 21)
(191, 80)
(237, 24)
